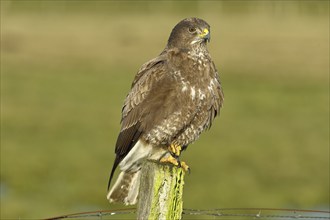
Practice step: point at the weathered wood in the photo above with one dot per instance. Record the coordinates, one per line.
(161, 190)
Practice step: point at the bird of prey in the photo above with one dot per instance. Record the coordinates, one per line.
(173, 99)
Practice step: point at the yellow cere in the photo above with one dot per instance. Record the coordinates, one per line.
(205, 32)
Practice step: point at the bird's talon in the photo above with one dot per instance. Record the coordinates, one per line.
(185, 167)
(169, 159)
(172, 160)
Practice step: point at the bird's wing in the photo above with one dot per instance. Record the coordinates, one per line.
(142, 85)
(138, 112)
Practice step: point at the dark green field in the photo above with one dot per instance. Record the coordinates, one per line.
(67, 67)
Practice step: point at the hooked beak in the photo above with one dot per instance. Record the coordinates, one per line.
(205, 35)
(202, 37)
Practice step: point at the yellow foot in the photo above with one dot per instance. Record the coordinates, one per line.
(175, 149)
(175, 162)
(170, 159)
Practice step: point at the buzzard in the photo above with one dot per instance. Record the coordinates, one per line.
(173, 99)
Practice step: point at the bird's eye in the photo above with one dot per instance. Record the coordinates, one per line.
(192, 30)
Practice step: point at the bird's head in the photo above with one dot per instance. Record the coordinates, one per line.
(190, 33)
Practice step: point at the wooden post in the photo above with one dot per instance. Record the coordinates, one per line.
(161, 190)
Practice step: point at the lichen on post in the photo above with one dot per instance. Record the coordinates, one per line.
(161, 190)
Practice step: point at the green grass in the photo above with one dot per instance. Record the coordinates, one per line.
(64, 78)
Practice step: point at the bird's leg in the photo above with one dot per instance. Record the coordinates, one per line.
(173, 157)
(175, 149)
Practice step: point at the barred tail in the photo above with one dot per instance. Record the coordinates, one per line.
(126, 188)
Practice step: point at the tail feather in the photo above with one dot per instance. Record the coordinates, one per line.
(126, 188)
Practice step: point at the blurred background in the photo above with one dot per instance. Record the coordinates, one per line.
(66, 68)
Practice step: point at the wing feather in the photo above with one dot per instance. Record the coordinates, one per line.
(131, 115)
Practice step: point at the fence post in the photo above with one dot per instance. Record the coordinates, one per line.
(161, 190)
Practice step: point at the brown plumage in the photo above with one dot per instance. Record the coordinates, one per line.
(173, 99)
